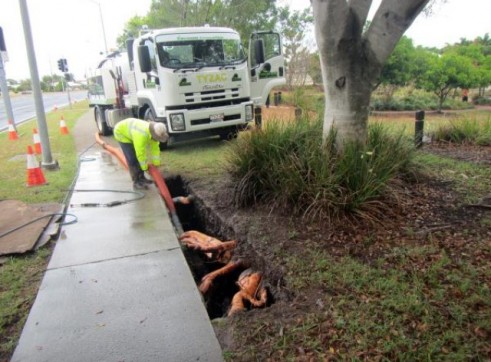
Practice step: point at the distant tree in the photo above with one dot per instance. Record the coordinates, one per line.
(446, 73)
(24, 85)
(292, 25)
(479, 52)
(49, 82)
(131, 30)
(399, 69)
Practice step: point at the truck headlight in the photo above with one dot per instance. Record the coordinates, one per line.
(248, 113)
(177, 122)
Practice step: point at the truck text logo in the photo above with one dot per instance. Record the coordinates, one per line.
(212, 78)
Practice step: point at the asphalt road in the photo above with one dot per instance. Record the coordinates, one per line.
(24, 108)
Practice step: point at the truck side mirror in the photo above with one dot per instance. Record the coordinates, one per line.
(144, 59)
(259, 51)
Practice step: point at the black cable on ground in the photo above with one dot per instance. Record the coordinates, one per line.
(140, 195)
(40, 218)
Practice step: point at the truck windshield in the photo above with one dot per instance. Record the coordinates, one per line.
(200, 53)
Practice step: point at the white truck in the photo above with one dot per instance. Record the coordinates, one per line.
(196, 80)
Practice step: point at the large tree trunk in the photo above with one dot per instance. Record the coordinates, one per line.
(351, 59)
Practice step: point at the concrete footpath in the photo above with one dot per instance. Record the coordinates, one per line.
(117, 287)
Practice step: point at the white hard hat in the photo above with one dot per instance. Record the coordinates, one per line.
(159, 132)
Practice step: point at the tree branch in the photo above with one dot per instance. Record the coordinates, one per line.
(391, 20)
(330, 21)
(360, 8)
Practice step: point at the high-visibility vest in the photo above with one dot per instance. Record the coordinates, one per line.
(137, 132)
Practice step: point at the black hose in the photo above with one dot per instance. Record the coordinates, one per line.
(40, 218)
(140, 195)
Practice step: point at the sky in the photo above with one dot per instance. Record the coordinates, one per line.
(72, 29)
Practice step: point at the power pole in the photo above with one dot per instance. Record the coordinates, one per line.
(47, 161)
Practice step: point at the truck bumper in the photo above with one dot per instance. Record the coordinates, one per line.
(209, 119)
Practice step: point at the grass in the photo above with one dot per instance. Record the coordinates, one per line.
(19, 280)
(20, 275)
(197, 158)
(471, 180)
(465, 131)
(14, 165)
(404, 312)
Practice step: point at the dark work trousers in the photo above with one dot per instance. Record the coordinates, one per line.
(133, 164)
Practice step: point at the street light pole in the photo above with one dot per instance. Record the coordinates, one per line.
(102, 23)
(47, 161)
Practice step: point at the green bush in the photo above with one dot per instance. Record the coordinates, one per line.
(409, 99)
(482, 101)
(286, 166)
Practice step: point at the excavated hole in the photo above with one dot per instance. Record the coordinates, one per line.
(194, 217)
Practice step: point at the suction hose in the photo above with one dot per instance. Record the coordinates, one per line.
(164, 192)
(115, 151)
(157, 177)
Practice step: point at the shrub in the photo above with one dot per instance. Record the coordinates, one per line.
(409, 99)
(482, 101)
(469, 131)
(286, 166)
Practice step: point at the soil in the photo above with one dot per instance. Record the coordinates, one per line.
(428, 209)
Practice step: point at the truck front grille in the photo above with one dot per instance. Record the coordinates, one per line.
(212, 95)
(232, 117)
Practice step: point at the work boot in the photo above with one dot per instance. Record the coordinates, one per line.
(143, 179)
(139, 185)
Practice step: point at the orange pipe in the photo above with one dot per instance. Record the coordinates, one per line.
(157, 177)
(164, 191)
(115, 151)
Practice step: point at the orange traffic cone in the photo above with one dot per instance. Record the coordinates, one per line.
(37, 141)
(12, 132)
(63, 127)
(35, 176)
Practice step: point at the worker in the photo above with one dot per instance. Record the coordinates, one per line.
(137, 138)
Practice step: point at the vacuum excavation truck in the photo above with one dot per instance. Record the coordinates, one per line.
(198, 81)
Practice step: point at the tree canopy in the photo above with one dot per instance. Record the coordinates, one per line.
(243, 16)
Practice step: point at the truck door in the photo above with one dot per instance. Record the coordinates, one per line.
(266, 65)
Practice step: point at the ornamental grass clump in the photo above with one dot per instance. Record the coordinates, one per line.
(287, 166)
(465, 131)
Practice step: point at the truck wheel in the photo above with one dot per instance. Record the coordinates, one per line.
(100, 120)
(149, 117)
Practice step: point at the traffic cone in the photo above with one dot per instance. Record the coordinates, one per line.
(35, 176)
(37, 141)
(12, 132)
(63, 127)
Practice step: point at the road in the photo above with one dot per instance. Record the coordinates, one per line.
(24, 108)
